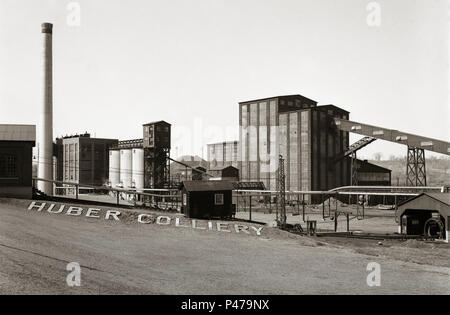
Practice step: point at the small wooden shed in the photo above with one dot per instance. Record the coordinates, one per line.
(207, 199)
(427, 214)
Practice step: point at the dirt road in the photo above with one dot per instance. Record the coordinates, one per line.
(128, 257)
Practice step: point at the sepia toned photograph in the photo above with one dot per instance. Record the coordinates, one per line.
(226, 154)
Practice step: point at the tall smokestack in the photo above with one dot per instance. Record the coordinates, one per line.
(45, 136)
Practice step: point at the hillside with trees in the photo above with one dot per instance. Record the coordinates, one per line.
(438, 169)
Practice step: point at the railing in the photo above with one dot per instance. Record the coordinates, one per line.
(157, 197)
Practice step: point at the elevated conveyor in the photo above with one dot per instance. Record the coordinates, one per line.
(415, 168)
(410, 140)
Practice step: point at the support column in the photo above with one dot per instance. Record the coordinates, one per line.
(354, 170)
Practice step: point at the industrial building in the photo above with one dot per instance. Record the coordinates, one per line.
(142, 163)
(427, 214)
(372, 175)
(16, 145)
(223, 154)
(229, 173)
(207, 199)
(82, 159)
(303, 133)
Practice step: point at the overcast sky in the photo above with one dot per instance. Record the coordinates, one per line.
(190, 62)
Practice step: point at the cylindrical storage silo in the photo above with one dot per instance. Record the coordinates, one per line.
(138, 169)
(114, 167)
(125, 167)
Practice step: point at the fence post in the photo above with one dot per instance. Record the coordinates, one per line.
(335, 221)
(348, 222)
(363, 209)
(250, 207)
(323, 207)
(303, 206)
(329, 205)
(270, 203)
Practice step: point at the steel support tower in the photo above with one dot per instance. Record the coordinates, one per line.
(281, 193)
(415, 167)
(156, 167)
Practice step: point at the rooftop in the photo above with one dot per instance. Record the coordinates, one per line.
(156, 122)
(17, 132)
(333, 107)
(205, 185)
(281, 96)
(220, 168)
(440, 197)
(366, 166)
(224, 142)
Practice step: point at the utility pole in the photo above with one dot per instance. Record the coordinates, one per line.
(281, 193)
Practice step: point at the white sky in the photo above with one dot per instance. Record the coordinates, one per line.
(190, 62)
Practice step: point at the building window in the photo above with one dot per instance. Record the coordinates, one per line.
(184, 200)
(218, 199)
(8, 166)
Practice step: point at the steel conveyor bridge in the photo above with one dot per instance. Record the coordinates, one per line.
(415, 169)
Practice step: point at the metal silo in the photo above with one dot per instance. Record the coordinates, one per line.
(126, 167)
(114, 167)
(138, 169)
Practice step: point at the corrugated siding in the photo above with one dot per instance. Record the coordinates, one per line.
(273, 144)
(264, 165)
(305, 145)
(284, 144)
(293, 152)
(244, 142)
(253, 142)
(323, 152)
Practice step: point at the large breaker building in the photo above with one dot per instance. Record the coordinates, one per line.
(303, 133)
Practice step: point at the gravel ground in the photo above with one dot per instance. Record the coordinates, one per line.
(127, 257)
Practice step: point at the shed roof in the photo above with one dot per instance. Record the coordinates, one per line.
(204, 185)
(221, 168)
(156, 123)
(366, 166)
(427, 201)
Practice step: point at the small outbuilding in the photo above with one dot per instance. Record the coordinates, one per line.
(229, 173)
(16, 145)
(427, 214)
(207, 199)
